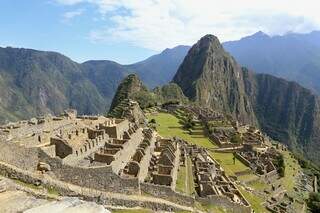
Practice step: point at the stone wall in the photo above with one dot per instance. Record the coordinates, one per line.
(19, 156)
(100, 178)
(225, 202)
(167, 193)
(65, 189)
(242, 159)
(129, 148)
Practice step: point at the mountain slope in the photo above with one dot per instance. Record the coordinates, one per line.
(285, 110)
(159, 69)
(211, 77)
(106, 76)
(293, 56)
(132, 88)
(36, 82)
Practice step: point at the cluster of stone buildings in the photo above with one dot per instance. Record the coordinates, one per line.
(260, 161)
(210, 179)
(114, 155)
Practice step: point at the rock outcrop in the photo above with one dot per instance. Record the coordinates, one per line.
(211, 77)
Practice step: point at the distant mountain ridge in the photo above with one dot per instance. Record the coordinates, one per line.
(34, 83)
(293, 56)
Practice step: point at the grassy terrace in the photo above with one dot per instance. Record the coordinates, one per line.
(185, 181)
(168, 126)
(226, 161)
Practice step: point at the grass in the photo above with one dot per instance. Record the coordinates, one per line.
(255, 201)
(28, 185)
(181, 180)
(247, 178)
(226, 161)
(258, 185)
(212, 208)
(190, 182)
(169, 126)
(291, 170)
(185, 181)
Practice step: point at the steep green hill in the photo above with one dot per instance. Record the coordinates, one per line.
(285, 110)
(36, 82)
(132, 88)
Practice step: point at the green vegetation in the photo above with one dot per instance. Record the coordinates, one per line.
(28, 185)
(314, 202)
(169, 126)
(226, 161)
(185, 181)
(236, 139)
(188, 122)
(258, 185)
(255, 201)
(279, 163)
(190, 181)
(181, 180)
(170, 93)
(291, 171)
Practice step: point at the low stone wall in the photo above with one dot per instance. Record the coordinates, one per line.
(167, 193)
(242, 159)
(26, 177)
(245, 172)
(97, 196)
(225, 202)
(100, 178)
(19, 156)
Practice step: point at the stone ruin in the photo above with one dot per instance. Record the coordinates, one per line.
(113, 155)
(210, 178)
(164, 162)
(260, 161)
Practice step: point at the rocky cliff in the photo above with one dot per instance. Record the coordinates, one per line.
(211, 77)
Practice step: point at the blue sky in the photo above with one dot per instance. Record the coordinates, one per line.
(40, 24)
(127, 31)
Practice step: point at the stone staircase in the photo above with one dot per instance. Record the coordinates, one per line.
(3, 185)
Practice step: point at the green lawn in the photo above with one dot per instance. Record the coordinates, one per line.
(258, 185)
(255, 201)
(185, 181)
(291, 170)
(190, 182)
(226, 161)
(247, 178)
(168, 126)
(181, 180)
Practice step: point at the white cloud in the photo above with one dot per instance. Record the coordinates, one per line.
(157, 24)
(71, 14)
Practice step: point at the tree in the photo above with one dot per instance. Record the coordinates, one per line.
(314, 202)
(236, 139)
(153, 121)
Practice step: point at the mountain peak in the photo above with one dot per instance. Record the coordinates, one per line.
(209, 42)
